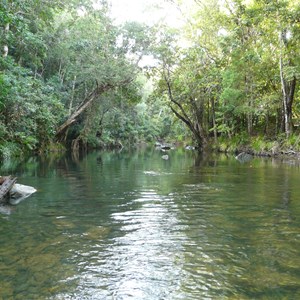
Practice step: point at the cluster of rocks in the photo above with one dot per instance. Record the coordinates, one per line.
(164, 147)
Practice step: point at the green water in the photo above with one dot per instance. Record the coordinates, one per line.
(132, 225)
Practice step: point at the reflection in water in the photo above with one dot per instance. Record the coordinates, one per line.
(145, 247)
(133, 226)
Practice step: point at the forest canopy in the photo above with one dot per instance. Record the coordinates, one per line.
(71, 76)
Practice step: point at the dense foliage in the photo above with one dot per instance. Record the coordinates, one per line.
(238, 73)
(70, 76)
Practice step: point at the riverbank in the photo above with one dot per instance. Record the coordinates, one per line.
(259, 146)
(256, 146)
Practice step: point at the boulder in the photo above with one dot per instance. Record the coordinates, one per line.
(20, 192)
(12, 192)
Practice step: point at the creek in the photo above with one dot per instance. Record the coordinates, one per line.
(131, 225)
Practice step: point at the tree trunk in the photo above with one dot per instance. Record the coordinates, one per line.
(249, 117)
(86, 103)
(213, 114)
(60, 132)
(199, 117)
(288, 93)
(194, 127)
(72, 96)
(5, 47)
(287, 87)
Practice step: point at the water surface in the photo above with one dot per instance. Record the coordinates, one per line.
(132, 225)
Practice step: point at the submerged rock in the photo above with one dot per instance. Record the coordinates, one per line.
(244, 157)
(6, 209)
(96, 232)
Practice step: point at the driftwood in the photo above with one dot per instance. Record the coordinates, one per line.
(6, 184)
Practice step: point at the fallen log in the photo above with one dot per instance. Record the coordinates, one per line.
(6, 184)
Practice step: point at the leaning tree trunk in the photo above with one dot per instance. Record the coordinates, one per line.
(86, 103)
(195, 127)
(198, 112)
(61, 130)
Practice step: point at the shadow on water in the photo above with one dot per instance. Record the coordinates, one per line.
(132, 225)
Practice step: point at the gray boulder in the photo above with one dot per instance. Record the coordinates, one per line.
(20, 192)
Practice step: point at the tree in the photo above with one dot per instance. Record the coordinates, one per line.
(28, 110)
(191, 81)
(275, 28)
(97, 58)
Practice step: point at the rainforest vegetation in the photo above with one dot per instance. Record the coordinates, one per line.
(72, 78)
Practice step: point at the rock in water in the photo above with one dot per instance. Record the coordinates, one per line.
(190, 147)
(19, 192)
(244, 157)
